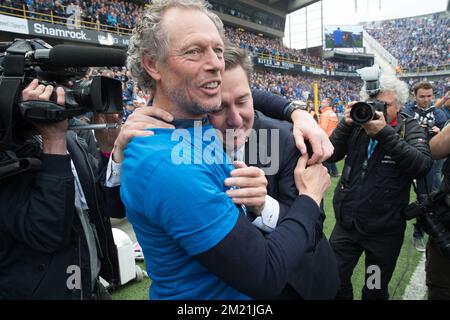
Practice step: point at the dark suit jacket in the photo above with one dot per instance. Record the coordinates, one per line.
(318, 277)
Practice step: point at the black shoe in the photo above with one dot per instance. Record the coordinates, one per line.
(419, 244)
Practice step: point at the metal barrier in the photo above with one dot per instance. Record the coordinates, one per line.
(279, 58)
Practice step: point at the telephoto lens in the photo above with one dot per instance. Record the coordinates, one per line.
(362, 113)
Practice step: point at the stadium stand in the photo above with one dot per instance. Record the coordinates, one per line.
(301, 87)
(418, 42)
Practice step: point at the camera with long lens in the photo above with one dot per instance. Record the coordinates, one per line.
(430, 212)
(23, 60)
(365, 111)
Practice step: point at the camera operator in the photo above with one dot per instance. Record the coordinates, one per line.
(432, 120)
(383, 156)
(437, 265)
(55, 237)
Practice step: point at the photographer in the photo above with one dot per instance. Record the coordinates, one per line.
(55, 235)
(383, 156)
(437, 265)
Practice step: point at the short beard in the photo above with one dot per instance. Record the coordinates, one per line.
(189, 106)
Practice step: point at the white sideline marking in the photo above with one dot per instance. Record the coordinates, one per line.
(416, 289)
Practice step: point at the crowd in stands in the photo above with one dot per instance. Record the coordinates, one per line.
(132, 96)
(344, 66)
(290, 86)
(269, 47)
(302, 87)
(243, 11)
(121, 16)
(274, 49)
(416, 42)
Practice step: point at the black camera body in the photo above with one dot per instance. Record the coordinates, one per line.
(429, 211)
(363, 112)
(428, 124)
(24, 60)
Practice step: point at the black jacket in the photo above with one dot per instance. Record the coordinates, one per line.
(317, 277)
(41, 235)
(371, 194)
(440, 202)
(270, 104)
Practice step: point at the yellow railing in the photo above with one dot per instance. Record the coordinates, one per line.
(54, 19)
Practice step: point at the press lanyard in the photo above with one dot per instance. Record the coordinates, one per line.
(371, 148)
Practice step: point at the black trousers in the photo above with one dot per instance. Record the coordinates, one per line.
(381, 251)
(437, 270)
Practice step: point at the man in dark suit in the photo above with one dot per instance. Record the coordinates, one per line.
(268, 144)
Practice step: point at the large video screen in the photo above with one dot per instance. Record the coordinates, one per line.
(345, 37)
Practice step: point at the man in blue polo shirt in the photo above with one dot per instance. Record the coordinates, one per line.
(170, 229)
(197, 243)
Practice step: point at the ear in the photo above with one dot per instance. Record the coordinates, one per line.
(151, 66)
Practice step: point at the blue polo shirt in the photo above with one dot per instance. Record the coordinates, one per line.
(174, 194)
(337, 35)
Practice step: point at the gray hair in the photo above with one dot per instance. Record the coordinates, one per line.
(392, 84)
(237, 57)
(150, 39)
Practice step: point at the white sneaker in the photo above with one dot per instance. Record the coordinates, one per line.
(419, 244)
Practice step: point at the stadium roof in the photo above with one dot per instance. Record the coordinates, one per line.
(286, 6)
